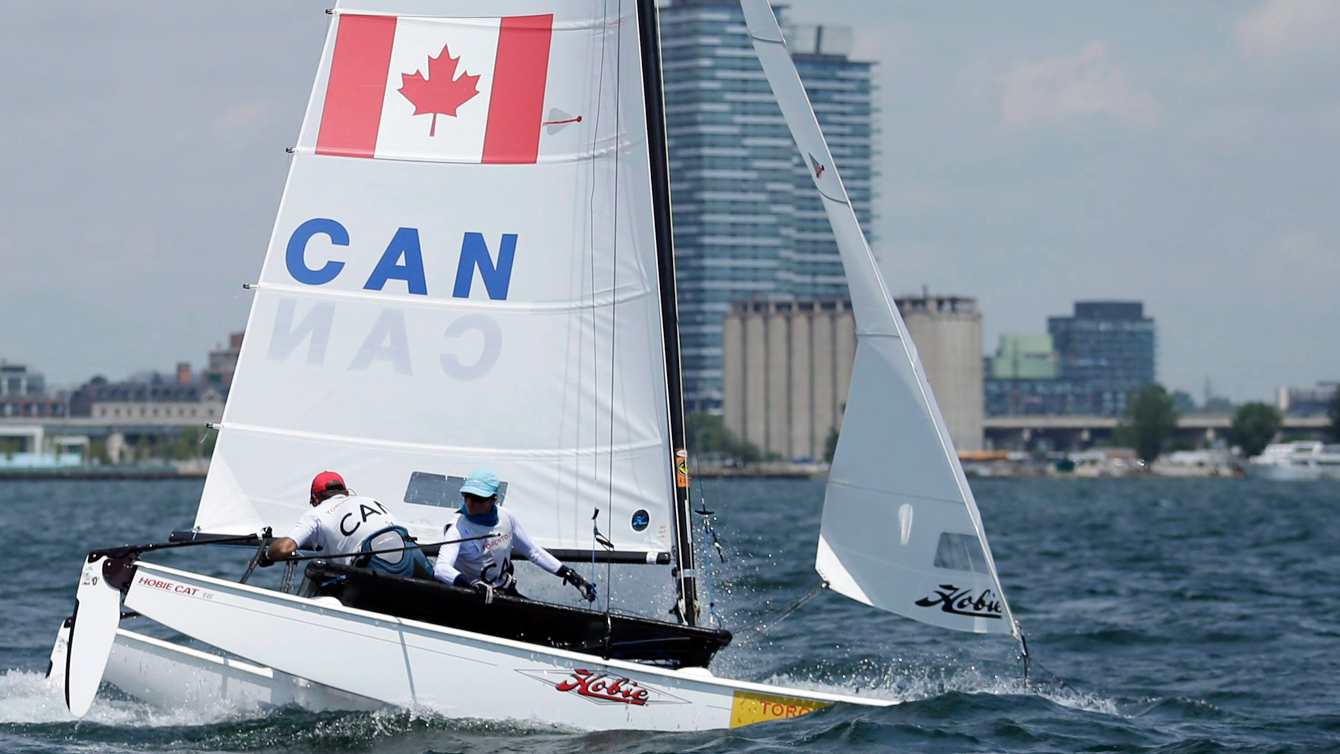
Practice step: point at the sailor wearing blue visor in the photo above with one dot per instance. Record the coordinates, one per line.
(485, 563)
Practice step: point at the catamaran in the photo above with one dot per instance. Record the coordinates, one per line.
(473, 265)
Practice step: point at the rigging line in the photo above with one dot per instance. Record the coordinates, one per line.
(709, 533)
(614, 319)
(591, 253)
(784, 613)
(1029, 663)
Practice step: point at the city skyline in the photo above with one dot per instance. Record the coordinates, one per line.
(748, 222)
(1032, 156)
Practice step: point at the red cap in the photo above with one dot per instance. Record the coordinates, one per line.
(327, 481)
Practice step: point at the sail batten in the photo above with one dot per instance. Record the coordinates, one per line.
(900, 528)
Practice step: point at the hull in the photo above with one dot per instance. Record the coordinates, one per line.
(408, 663)
(622, 637)
(1291, 472)
(172, 677)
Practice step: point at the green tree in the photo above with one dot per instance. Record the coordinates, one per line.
(193, 442)
(707, 435)
(1149, 422)
(1254, 426)
(1333, 411)
(830, 445)
(1183, 402)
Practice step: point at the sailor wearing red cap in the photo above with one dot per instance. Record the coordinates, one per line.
(341, 522)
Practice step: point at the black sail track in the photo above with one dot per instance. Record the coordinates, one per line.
(652, 89)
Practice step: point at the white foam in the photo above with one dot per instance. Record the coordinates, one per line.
(904, 685)
(29, 697)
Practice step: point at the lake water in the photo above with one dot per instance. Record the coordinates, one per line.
(1163, 616)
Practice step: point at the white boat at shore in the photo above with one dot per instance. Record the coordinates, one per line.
(549, 351)
(1296, 461)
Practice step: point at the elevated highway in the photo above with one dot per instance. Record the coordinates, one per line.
(1074, 432)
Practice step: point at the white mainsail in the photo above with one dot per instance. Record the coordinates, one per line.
(900, 530)
(462, 273)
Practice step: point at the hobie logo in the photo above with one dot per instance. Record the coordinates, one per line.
(403, 261)
(951, 599)
(603, 688)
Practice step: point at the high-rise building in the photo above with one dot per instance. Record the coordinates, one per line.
(1106, 350)
(748, 223)
(1024, 377)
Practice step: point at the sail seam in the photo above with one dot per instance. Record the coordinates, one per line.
(544, 159)
(625, 449)
(863, 488)
(600, 302)
(470, 20)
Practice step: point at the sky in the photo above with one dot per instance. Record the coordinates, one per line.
(1032, 154)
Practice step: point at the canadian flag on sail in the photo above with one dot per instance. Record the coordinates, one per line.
(460, 90)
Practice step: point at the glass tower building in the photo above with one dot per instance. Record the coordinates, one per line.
(748, 222)
(1106, 350)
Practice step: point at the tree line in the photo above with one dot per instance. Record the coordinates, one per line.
(1151, 419)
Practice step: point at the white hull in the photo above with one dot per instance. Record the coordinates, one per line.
(1296, 461)
(1292, 473)
(411, 664)
(172, 677)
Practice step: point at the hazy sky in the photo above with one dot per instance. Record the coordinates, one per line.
(1184, 154)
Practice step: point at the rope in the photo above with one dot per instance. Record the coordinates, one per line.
(1029, 662)
(710, 536)
(614, 311)
(785, 613)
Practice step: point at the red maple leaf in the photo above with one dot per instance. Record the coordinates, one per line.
(441, 92)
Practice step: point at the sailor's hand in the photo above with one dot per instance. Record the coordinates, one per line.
(485, 590)
(263, 560)
(570, 576)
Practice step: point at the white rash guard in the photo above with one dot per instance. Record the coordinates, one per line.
(488, 560)
(340, 524)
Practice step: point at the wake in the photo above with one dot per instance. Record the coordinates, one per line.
(900, 684)
(28, 697)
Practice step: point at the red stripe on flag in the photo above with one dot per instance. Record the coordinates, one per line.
(519, 76)
(353, 109)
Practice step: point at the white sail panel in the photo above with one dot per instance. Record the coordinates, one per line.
(900, 530)
(453, 282)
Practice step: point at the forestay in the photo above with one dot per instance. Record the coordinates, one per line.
(462, 273)
(900, 528)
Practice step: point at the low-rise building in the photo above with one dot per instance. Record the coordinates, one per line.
(1306, 401)
(223, 362)
(788, 367)
(23, 394)
(154, 402)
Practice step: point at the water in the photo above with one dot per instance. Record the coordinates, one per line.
(1181, 616)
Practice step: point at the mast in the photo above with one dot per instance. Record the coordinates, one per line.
(650, 37)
